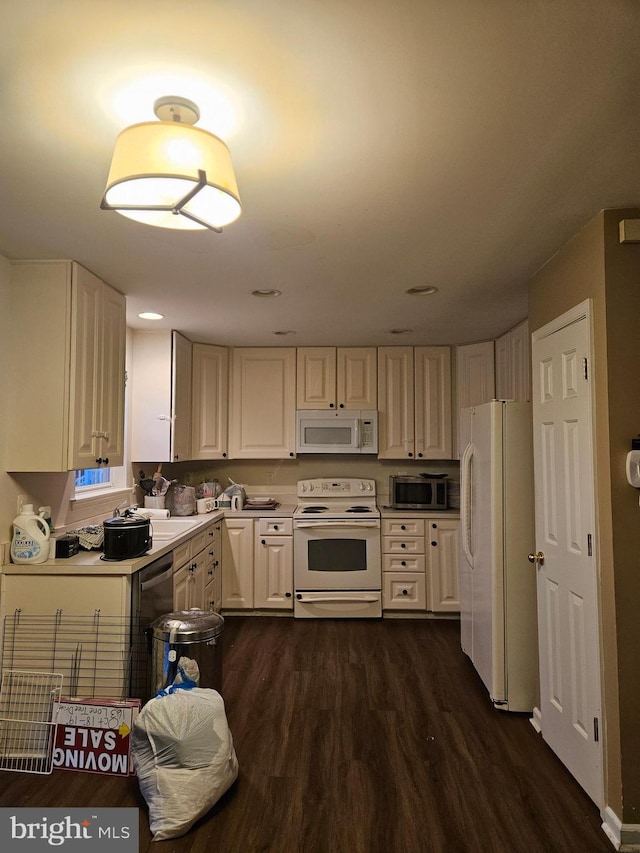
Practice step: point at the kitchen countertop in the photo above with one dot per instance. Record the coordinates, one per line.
(388, 512)
(80, 563)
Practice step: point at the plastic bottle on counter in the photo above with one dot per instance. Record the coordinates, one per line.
(31, 534)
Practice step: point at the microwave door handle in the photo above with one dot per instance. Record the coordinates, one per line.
(356, 429)
(465, 503)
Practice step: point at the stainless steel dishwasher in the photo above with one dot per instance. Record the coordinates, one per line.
(151, 597)
(152, 592)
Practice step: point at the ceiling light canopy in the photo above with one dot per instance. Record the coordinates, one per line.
(171, 174)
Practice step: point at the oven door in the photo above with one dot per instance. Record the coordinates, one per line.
(337, 555)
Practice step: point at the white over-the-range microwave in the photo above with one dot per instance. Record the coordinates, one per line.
(323, 431)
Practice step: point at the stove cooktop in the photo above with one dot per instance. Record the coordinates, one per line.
(337, 498)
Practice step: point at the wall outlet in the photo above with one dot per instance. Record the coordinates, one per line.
(270, 478)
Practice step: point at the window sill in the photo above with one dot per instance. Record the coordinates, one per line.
(97, 503)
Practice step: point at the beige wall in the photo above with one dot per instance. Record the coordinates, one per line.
(594, 265)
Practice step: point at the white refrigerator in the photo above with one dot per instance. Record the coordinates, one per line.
(497, 581)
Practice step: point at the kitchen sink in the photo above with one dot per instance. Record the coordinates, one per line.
(169, 528)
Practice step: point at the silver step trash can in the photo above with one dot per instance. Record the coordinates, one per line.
(187, 646)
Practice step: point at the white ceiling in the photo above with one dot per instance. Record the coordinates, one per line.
(377, 145)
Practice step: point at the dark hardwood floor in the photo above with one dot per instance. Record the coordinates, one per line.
(361, 737)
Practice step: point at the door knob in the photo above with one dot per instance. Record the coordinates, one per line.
(537, 558)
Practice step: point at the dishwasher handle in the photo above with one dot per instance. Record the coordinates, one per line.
(152, 576)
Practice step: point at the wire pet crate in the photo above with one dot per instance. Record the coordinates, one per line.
(26, 712)
(98, 656)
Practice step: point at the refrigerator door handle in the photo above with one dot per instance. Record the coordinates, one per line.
(465, 503)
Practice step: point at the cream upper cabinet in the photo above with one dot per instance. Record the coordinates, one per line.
(336, 378)
(161, 397)
(414, 402)
(395, 403)
(513, 364)
(475, 380)
(209, 435)
(433, 439)
(262, 409)
(71, 369)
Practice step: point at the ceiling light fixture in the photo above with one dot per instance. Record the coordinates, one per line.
(266, 293)
(150, 315)
(424, 290)
(171, 174)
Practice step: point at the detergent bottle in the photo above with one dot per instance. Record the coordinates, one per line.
(30, 543)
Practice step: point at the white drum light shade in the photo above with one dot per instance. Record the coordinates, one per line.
(172, 175)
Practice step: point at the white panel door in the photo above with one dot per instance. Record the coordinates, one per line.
(570, 696)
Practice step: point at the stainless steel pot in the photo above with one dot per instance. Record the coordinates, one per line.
(126, 537)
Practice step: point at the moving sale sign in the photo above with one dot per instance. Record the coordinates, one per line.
(94, 735)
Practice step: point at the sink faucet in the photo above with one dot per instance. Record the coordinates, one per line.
(116, 511)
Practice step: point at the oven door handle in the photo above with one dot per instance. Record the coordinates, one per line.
(336, 525)
(350, 599)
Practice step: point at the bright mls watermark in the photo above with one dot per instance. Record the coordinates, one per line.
(79, 830)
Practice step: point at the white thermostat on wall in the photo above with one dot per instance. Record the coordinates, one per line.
(633, 468)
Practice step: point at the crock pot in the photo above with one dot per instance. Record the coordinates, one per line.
(126, 537)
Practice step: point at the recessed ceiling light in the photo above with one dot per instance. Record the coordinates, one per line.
(400, 331)
(425, 290)
(266, 292)
(150, 315)
(285, 332)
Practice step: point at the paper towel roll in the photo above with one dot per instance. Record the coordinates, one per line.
(153, 513)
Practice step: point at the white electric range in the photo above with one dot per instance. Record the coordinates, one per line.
(336, 546)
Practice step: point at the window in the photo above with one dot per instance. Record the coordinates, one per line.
(92, 478)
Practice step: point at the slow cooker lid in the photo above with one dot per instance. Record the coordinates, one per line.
(126, 521)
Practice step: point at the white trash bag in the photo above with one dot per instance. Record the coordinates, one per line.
(183, 755)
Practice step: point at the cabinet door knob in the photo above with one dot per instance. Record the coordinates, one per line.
(403, 527)
(331, 405)
(434, 544)
(409, 454)
(275, 527)
(264, 541)
(403, 562)
(435, 526)
(224, 455)
(420, 455)
(292, 454)
(287, 595)
(99, 460)
(210, 572)
(403, 545)
(405, 592)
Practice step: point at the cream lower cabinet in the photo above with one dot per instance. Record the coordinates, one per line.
(403, 568)
(414, 402)
(237, 564)
(442, 574)
(65, 386)
(38, 594)
(213, 569)
(196, 570)
(262, 409)
(420, 564)
(273, 567)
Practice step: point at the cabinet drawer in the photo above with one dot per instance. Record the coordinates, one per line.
(403, 526)
(203, 539)
(275, 526)
(181, 554)
(403, 544)
(403, 563)
(403, 591)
